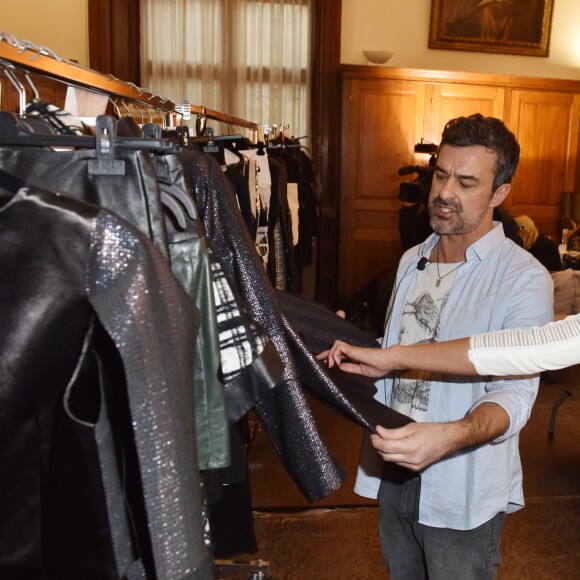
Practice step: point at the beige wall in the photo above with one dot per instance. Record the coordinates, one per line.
(403, 27)
(399, 26)
(60, 25)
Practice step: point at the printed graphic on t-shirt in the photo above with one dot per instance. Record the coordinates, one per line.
(420, 324)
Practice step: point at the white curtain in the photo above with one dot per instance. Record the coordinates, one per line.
(247, 58)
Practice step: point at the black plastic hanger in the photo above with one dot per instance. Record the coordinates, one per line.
(21, 132)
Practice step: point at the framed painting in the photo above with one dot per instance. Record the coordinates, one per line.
(520, 27)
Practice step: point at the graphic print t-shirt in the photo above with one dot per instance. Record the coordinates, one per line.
(419, 325)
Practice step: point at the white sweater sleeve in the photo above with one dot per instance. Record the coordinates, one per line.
(526, 352)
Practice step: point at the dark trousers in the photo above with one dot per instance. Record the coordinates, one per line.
(413, 551)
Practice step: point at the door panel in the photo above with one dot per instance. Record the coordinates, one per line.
(546, 125)
(450, 101)
(382, 121)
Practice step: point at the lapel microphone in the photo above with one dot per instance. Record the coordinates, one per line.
(422, 263)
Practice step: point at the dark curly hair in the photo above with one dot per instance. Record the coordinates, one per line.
(490, 133)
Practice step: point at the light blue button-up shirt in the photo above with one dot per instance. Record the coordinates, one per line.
(500, 286)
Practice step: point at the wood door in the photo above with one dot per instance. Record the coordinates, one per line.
(448, 101)
(546, 125)
(381, 122)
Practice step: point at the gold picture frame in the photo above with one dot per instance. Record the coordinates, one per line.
(520, 27)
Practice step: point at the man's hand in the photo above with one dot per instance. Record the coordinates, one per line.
(418, 445)
(414, 446)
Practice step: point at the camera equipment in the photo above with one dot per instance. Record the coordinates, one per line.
(417, 191)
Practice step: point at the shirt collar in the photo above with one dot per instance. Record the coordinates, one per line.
(479, 249)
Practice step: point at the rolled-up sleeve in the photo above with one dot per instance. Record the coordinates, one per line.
(516, 397)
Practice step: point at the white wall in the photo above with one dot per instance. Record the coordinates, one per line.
(402, 26)
(60, 25)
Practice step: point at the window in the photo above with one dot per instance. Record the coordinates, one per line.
(247, 58)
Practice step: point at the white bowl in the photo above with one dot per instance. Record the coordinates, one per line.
(377, 56)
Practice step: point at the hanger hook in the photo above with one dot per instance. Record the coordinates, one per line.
(136, 105)
(32, 85)
(115, 107)
(162, 117)
(124, 105)
(13, 78)
(201, 122)
(148, 110)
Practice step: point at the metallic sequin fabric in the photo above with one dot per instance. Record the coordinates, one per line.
(284, 411)
(152, 323)
(97, 399)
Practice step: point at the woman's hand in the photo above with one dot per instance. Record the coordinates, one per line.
(370, 362)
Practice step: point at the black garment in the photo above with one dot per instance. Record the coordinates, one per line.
(241, 187)
(97, 440)
(300, 170)
(281, 264)
(134, 196)
(546, 253)
(230, 515)
(311, 328)
(284, 411)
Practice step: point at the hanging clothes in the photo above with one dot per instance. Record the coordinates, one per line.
(281, 265)
(137, 198)
(96, 384)
(189, 259)
(301, 173)
(285, 316)
(260, 182)
(283, 411)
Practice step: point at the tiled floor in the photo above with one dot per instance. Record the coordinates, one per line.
(336, 537)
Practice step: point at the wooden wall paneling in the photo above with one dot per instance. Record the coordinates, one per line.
(448, 101)
(546, 125)
(543, 113)
(382, 120)
(577, 170)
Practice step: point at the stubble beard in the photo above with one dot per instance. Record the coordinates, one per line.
(459, 222)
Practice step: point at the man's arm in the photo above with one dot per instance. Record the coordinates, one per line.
(505, 407)
(418, 445)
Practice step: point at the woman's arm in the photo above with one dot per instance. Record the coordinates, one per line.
(504, 352)
(446, 357)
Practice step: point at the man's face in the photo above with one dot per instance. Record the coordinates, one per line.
(461, 199)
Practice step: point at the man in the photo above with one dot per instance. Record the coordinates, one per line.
(466, 278)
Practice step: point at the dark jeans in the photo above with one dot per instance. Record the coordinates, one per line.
(413, 551)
